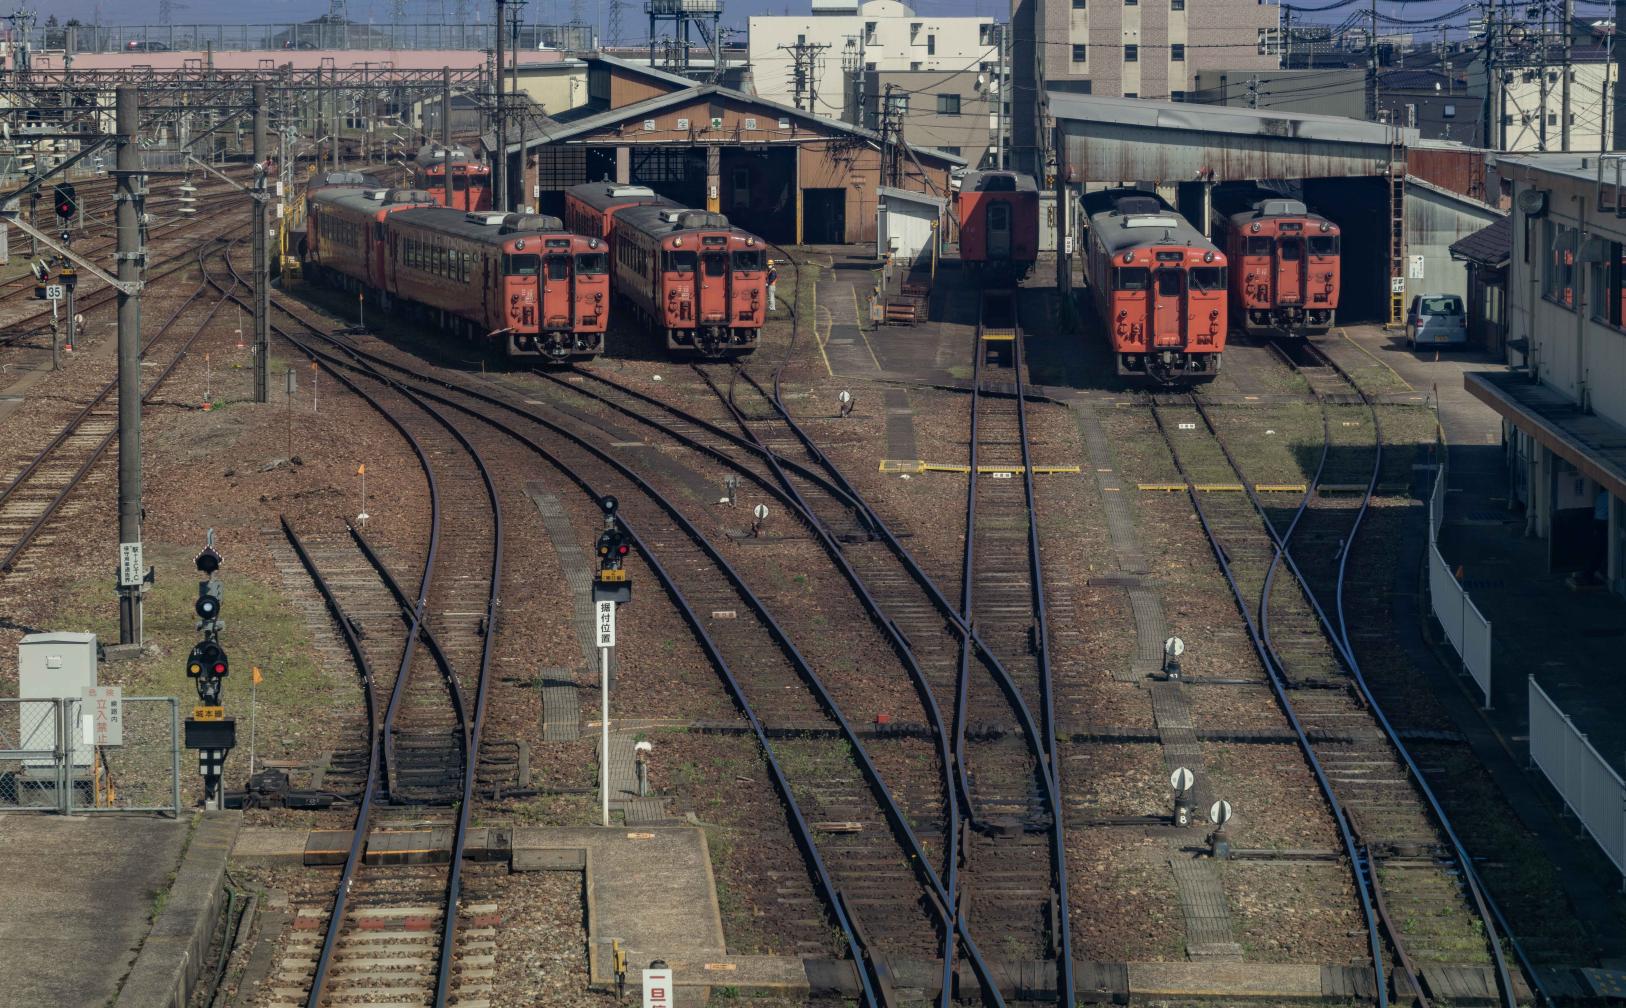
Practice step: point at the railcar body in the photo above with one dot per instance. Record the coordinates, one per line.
(1159, 287)
(691, 276)
(999, 224)
(344, 229)
(471, 178)
(1285, 263)
(520, 280)
(590, 208)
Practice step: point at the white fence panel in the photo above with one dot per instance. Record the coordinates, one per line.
(1586, 782)
(1465, 626)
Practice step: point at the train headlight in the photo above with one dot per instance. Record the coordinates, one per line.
(1129, 257)
(1208, 257)
(750, 240)
(677, 242)
(1213, 314)
(592, 243)
(519, 246)
(1325, 227)
(1253, 228)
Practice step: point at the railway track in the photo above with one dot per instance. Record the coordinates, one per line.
(1420, 894)
(43, 481)
(392, 930)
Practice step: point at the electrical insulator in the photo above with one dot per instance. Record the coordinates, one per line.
(188, 199)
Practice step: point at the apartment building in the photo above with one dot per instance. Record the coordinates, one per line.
(953, 113)
(1152, 48)
(810, 61)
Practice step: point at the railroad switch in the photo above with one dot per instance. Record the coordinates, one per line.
(269, 789)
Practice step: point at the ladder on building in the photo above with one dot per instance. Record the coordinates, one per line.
(1397, 228)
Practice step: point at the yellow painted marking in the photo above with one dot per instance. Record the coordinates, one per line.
(917, 466)
(208, 713)
(640, 836)
(948, 467)
(721, 966)
(999, 336)
(901, 465)
(612, 575)
(1222, 487)
(1280, 487)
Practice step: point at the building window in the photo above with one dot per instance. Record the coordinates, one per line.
(801, 40)
(914, 33)
(1078, 4)
(948, 104)
(899, 103)
(1558, 278)
(1131, 54)
(916, 65)
(931, 45)
(1081, 53)
(1552, 118)
(1083, 87)
(1131, 94)
(1177, 96)
(1177, 52)
(950, 150)
(1177, 5)
(1449, 112)
(869, 32)
(1606, 284)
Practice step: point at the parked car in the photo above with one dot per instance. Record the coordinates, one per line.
(1436, 320)
(138, 45)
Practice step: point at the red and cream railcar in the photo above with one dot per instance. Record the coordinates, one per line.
(590, 208)
(1159, 287)
(471, 179)
(999, 224)
(344, 230)
(691, 277)
(520, 281)
(1285, 266)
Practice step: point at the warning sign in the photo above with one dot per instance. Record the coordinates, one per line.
(105, 706)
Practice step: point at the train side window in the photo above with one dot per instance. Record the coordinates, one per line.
(1133, 278)
(1324, 245)
(1207, 278)
(1258, 246)
(1291, 250)
(1170, 282)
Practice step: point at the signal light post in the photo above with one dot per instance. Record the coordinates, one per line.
(209, 730)
(611, 587)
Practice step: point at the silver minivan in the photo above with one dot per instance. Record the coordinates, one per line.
(1436, 320)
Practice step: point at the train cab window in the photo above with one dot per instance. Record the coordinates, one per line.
(460, 182)
(1207, 278)
(749, 260)
(1258, 246)
(591, 263)
(1324, 245)
(1170, 282)
(558, 267)
(1133, 278)
(680, 262)
(716, 264)
(521, 265)
(1292, 250)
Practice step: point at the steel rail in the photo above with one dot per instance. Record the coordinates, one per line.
(870, 976)
(9, 561)
(1275, 675)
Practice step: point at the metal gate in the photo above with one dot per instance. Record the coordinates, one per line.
(50, 760)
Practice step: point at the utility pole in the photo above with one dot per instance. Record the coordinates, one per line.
(499, 161)
(1542, 89)
(1002, 37)
(262, 254)
(804, 72)
(131, 255)
(1372, 61)
(1564, 86)
(1618, 58)
(446, 134)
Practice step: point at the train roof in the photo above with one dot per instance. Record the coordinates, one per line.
(603, 195)
(1134, 218)
(367, 200)
(434, 154)
(997, 181)
(671, 220)
(1257, 203)
(480, 225)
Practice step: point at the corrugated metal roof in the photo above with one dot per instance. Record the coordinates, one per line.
(1223, 119)
(1581, 166)
(912, 197)
(1491, 245)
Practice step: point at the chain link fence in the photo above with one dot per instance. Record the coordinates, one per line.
(50, 762)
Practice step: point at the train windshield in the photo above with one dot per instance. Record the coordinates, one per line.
(680, 262)
(748, 260)
(1133, 278)
(459, 182)
(1207, 278)
(592, 262)
(1170, 282)
(716, 264)
(1291, 249)
(521, 265)
(558, 267)
(1259, 246)
(1324, 245)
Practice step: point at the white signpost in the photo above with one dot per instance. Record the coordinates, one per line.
(605, 624)
(55, 292)
(105, 705)
(658, 987)
(130, 571)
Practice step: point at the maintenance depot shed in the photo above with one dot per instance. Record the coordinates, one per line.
(788, 175)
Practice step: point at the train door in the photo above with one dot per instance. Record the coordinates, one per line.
(1290, 270)
(714, 285)
(999, 230)
(557, 284)
(1168, 306)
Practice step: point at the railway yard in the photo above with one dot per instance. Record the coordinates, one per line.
(575, 611)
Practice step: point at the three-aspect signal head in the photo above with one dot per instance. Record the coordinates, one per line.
(207, 661)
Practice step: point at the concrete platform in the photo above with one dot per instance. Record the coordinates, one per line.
(78, 908)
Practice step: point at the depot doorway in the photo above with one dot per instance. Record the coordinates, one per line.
(824, 216)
